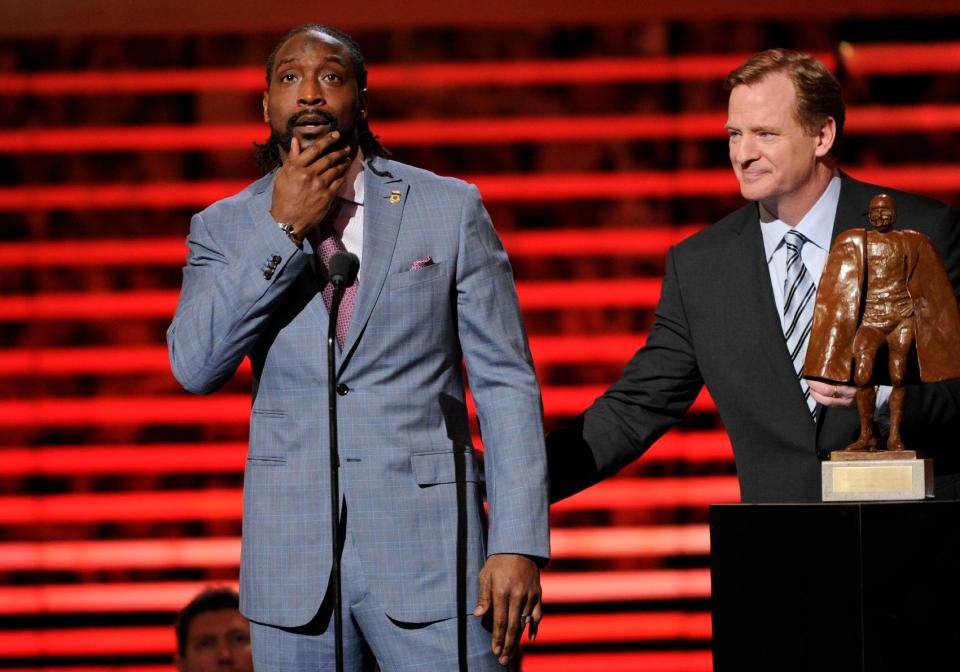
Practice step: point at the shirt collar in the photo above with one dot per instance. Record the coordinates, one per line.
(352, 189)
(816, 225)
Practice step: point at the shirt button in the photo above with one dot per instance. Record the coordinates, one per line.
(342, 390)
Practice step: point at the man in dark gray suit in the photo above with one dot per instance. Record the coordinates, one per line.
(735, 303)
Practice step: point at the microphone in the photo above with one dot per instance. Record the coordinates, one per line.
(343, 269)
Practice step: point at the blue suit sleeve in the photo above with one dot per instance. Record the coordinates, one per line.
(504, 387)
(226, 298)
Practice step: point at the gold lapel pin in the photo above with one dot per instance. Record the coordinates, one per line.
(395, 196)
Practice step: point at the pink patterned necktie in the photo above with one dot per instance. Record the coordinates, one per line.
(329, 247)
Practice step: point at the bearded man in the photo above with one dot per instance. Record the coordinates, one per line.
(435, 290)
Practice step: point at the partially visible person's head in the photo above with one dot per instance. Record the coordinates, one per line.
(212, 634)
(784, 119)
(882, 212)
(316, 83)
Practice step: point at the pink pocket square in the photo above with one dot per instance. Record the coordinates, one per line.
(421, 263)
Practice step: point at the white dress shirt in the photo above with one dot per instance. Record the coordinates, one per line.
(349, 220)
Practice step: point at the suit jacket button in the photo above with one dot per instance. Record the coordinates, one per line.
(276, 259)
(342, 390)
(267, 275)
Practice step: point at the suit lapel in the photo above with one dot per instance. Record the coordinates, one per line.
(760, 304)
(761, 312)
(382, 211)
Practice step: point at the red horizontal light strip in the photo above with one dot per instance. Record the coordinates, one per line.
(208, 137)
(861, 59)
(384, 77)
(150, 458)
(223, 408)
(225, 504)
(152, 195)
(100, 597)
(433, 132)
(556, 629)
(621, 627)
(182, 409)
(116, 554)
(534, 295)
(620, 542)
(533, 661)
(640, 661)
(82, 253)
(645, 661)
(613, 586)
(537, 187)
(116, 82)
(172, 505)
(901, 59)
(638, 493)
(896, 119)
(414, 132)
(646, 241)
(593, 293)
(706, 446)
(577, 348)
(137, 304)
(208, 457)
(76, 361)
(112, 668)
(573, 587)
(107, 360)
(496, 188)
(627, 542)
(128, 640)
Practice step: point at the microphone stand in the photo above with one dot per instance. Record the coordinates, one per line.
(339, 285)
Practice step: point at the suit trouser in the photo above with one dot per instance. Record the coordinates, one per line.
(368, 634)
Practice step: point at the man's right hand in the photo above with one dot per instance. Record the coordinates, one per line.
(307, 183)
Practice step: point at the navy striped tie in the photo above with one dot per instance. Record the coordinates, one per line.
(798, 300)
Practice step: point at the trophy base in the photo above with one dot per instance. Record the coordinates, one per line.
(875, 476)
(871, 455)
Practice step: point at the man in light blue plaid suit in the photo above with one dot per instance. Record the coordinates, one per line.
(422, 575)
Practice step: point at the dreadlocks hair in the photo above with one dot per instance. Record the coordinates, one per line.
(268, 153)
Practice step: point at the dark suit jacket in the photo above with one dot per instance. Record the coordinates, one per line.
(717, 325)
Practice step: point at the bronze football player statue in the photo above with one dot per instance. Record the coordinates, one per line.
(886, 314)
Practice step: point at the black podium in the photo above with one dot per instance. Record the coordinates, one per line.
(858, 587)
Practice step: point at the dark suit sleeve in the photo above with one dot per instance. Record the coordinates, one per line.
(656, 389)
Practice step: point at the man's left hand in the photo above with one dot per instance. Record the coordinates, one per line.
(828, 394)
(510, 585)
